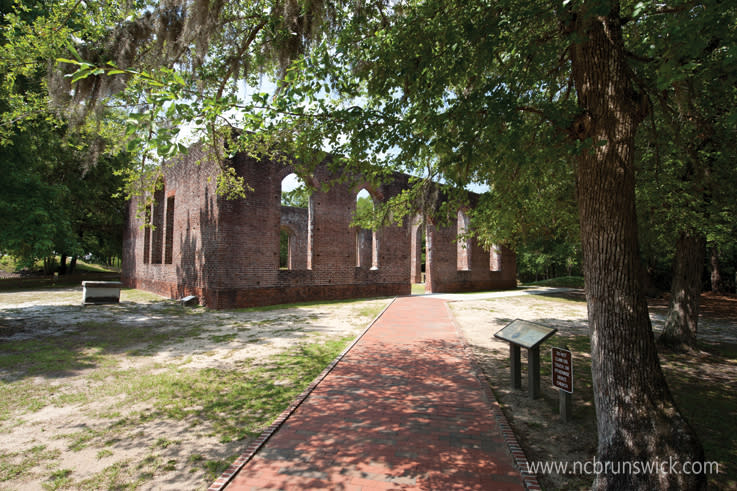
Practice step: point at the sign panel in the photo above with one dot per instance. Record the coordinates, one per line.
(524, 333)
(562, 369)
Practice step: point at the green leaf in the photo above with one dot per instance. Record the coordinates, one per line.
(73, 50)
(67, 60)
(82, 74)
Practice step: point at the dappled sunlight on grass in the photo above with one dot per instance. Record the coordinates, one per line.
(133, 389)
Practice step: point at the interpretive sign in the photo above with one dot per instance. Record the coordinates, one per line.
(562, 369)
(519, 333)
(524, 333)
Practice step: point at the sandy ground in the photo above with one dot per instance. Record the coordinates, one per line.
(161, 449)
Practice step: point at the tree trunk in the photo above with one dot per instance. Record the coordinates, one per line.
(49, 265)
(682, 322)
(63, 265)
(646, 280)
(72, 264)
(637, 421)
(716, 277)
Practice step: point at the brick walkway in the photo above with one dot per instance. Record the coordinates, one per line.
(403, 409)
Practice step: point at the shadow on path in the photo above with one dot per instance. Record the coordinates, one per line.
(402, 410)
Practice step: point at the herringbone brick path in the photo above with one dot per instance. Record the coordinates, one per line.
(403, 409)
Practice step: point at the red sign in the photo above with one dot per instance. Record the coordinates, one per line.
(562, 369)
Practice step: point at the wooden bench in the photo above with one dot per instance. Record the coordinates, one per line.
(97, 292)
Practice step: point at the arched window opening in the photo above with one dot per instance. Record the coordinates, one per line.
(147, 236)
(169, 237)
(418, 253)
(294, 224)
(463, 243)
(359, 246)
(285, 253)
(294, 192)
(367, 240)
(157, 236)
(495, 258)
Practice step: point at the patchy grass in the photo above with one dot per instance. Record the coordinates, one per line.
(370, 312)
(16, 464)
(223, 338)
(231, 404)
(418, 288)
(561, 282)
(235, 404)
(119, 476)
(216, 467)
(131, 390)
(140, 296)
(59, 479)
(318, 303)
(87, 348)
(105, 452)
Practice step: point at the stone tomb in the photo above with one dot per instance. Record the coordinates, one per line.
(97, 292)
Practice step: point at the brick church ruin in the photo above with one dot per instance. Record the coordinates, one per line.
(227, 252)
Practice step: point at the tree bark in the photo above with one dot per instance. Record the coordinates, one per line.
(49, 265)
(63, 265)
(637, 420)
(716, 276)
(646, 280)
(682, 321)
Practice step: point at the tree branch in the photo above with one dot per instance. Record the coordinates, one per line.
(241, 51)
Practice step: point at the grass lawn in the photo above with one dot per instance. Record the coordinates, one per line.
(560, 282)
(418, 288)
(8, 264)
(10, 279)
(146, 392)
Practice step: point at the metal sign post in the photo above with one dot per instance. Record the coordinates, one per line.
(562, 360)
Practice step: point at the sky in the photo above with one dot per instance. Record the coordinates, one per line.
(292, 182)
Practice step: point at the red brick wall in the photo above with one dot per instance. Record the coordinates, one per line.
(227, 251)
(194, 235)
(295, 221)
(443, 275)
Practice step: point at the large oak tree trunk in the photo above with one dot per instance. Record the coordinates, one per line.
(637, 420)
(682, 321)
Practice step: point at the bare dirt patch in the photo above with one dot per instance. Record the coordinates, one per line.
(148, 394)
